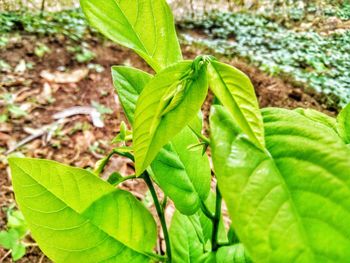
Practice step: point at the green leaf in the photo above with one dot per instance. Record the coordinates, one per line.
(157, 118)
(319, 117)
(183, 175)
(18, 251)
(8, 239)
(105, 224)
(235, 91)
(129, 83)
(344, 124)
(189, 183)
(145, 26)
(15, 220)
(190, 244)
(232, 254)
(291, 204)
(115, 178)
(185, 242)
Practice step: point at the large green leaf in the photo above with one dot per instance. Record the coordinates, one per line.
(344, 124)
(183, 175)
(76, 217)
(146, 26)
(235, 91)
(167, 104)
(291, 204)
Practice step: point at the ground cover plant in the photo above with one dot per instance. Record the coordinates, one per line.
(320, 62)
(70, 23)
(283, 174)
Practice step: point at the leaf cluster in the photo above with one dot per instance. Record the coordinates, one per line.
(284, 174)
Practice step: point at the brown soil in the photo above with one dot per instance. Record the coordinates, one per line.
(74, 146)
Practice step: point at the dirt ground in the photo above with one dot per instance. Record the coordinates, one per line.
(77, 142)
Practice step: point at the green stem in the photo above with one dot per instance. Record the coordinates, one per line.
(110, 155)
(216, 220)
(206, 211)
(160, 213)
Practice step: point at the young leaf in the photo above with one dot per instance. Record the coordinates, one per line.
(104, 224)
(158, 117)
(190, 182)
(232, 254)
(18, 251)
(183, 175)
(129, 83)
(235, 91)
(145, 26)
(291, 205)
(185, 240)
(344, 124)
(189, 243)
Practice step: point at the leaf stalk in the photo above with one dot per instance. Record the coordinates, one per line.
(160, 213)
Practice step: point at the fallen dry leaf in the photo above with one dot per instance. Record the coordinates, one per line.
(65, 77)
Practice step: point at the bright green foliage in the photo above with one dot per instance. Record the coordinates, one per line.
(235, 91)
(232, 254)
(344, 124)
(129, 83)
(159, 117)
(319, 117)
(182, 174)
(186, 241)
(190, 244)
(12, 239)
(145, 26)
(290, 205)
(74, 215)
(283, 174)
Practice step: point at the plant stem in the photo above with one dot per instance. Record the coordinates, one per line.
(110, 155)
(160, 213)
(206, 211)
(216, 220)
(42, 9)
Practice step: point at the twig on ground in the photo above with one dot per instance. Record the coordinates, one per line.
(5, 256)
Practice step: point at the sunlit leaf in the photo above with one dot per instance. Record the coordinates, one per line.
(75, 216)
(291, 204)
(154, 125)
(235, 91)
(344, 124)
(190, 182)
(145, 26)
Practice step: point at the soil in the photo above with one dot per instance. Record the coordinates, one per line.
(74, 143)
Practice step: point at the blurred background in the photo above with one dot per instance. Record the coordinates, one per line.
(57, 100)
